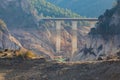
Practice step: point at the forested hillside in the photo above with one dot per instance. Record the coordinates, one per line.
(23, 13)
(89, 8)
(46, 9)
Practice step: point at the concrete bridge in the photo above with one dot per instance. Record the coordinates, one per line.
(70, 19)
(74, 22)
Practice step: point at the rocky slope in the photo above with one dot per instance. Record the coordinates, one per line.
(8, 43)
(7, 39)
(100, 44)
(103, 40)
(22, 20)
(40, 36)
(17, 13)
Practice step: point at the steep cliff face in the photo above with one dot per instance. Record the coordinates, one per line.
(7, 41)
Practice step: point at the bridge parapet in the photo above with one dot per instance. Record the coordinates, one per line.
(71, 19)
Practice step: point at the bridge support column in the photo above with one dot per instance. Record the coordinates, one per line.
(58, 36)
(74, 37)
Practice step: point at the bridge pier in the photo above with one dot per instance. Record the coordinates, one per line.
(74, 37)
(74, 32)
(58, 36)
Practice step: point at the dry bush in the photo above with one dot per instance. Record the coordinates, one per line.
(29, 55)
(25, 54)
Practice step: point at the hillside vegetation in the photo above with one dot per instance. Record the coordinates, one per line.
(47, 9)
(108, 25)
(88, 8)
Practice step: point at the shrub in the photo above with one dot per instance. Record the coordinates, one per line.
(2, 24)
(29, 55)
(25, 55)
(59, 59)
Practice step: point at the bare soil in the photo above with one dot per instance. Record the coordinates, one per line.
(39, 69)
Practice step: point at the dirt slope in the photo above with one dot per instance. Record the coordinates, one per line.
(41, 70)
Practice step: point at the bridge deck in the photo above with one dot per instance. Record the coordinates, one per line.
(72, 19)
